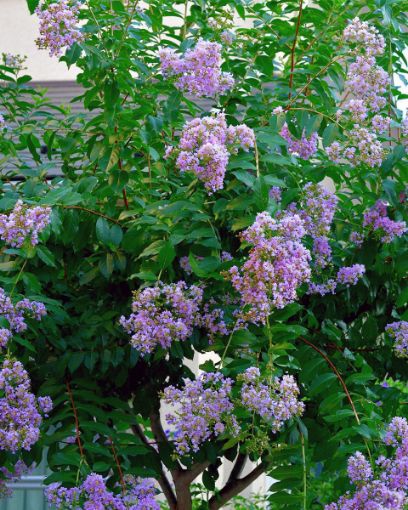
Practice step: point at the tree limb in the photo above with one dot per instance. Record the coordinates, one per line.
(238, 466)
(234, 487)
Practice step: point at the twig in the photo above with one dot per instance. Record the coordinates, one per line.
(74, 410)
(115, 456)
(322, 70)
(337, 373)
(90, 211)
(302, 442)
(293, 49)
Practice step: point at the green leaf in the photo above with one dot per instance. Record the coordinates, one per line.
(46, 256)
(116, 235)
(103, 230)
(166, 255)
(32, 4)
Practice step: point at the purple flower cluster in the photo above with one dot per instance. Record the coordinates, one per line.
(7, 477)
(20, 416)
(16, 62)
(3, 124)
(24, 223)
(317, 209)
(277, 265)
(364, 36)
(347, 275)
(59, 26)
(275, 193)
(16, 314)
(350, 275)
(399, 333)
(198, 71)
(303, 148)
(205, 147)
(366, 83)
(275, 402)
(385, 487)
(328, 287)
(203, 410)
(376, 219)
(168, 313)
(212, 320)
(93, 494)
(162, 315)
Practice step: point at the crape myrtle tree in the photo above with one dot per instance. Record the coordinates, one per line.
(234, 192)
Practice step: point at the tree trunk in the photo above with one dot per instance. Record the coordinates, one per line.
(184, 501)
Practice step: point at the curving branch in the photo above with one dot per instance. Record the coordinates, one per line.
(337, 374)
(74, 410)
(238, 466)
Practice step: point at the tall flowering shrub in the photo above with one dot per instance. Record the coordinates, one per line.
(233, 199)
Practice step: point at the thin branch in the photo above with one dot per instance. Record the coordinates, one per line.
(74, 410)
(293, 49)
(321, 71)
(302, 441)
(337, 373)
(234, 487)
(90, 211)
(115, 456)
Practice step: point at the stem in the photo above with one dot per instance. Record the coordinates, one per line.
(302, 441)
(292, 51)
(77, 431)
(227, 346)
(346, 391)
(306, 109)
(18, 277)
(322, 70)
(115, 456)
(184, 27)
(258, 173)
(90, 211)
(337, 373)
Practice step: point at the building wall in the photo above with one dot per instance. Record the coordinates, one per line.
(18, 31)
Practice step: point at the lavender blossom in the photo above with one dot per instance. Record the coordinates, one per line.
(398, 331)
(23, 224)
(378, 221)
(202, 409)
(304, 148)
(198, 72)
(385, 485)
(59, 26)
(162, 315)
(93, 494)
(276, 402)
(276, 266)
(350, 275)
(20, 416)
(206, 145)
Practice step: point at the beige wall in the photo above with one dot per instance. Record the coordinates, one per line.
(18, 31)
